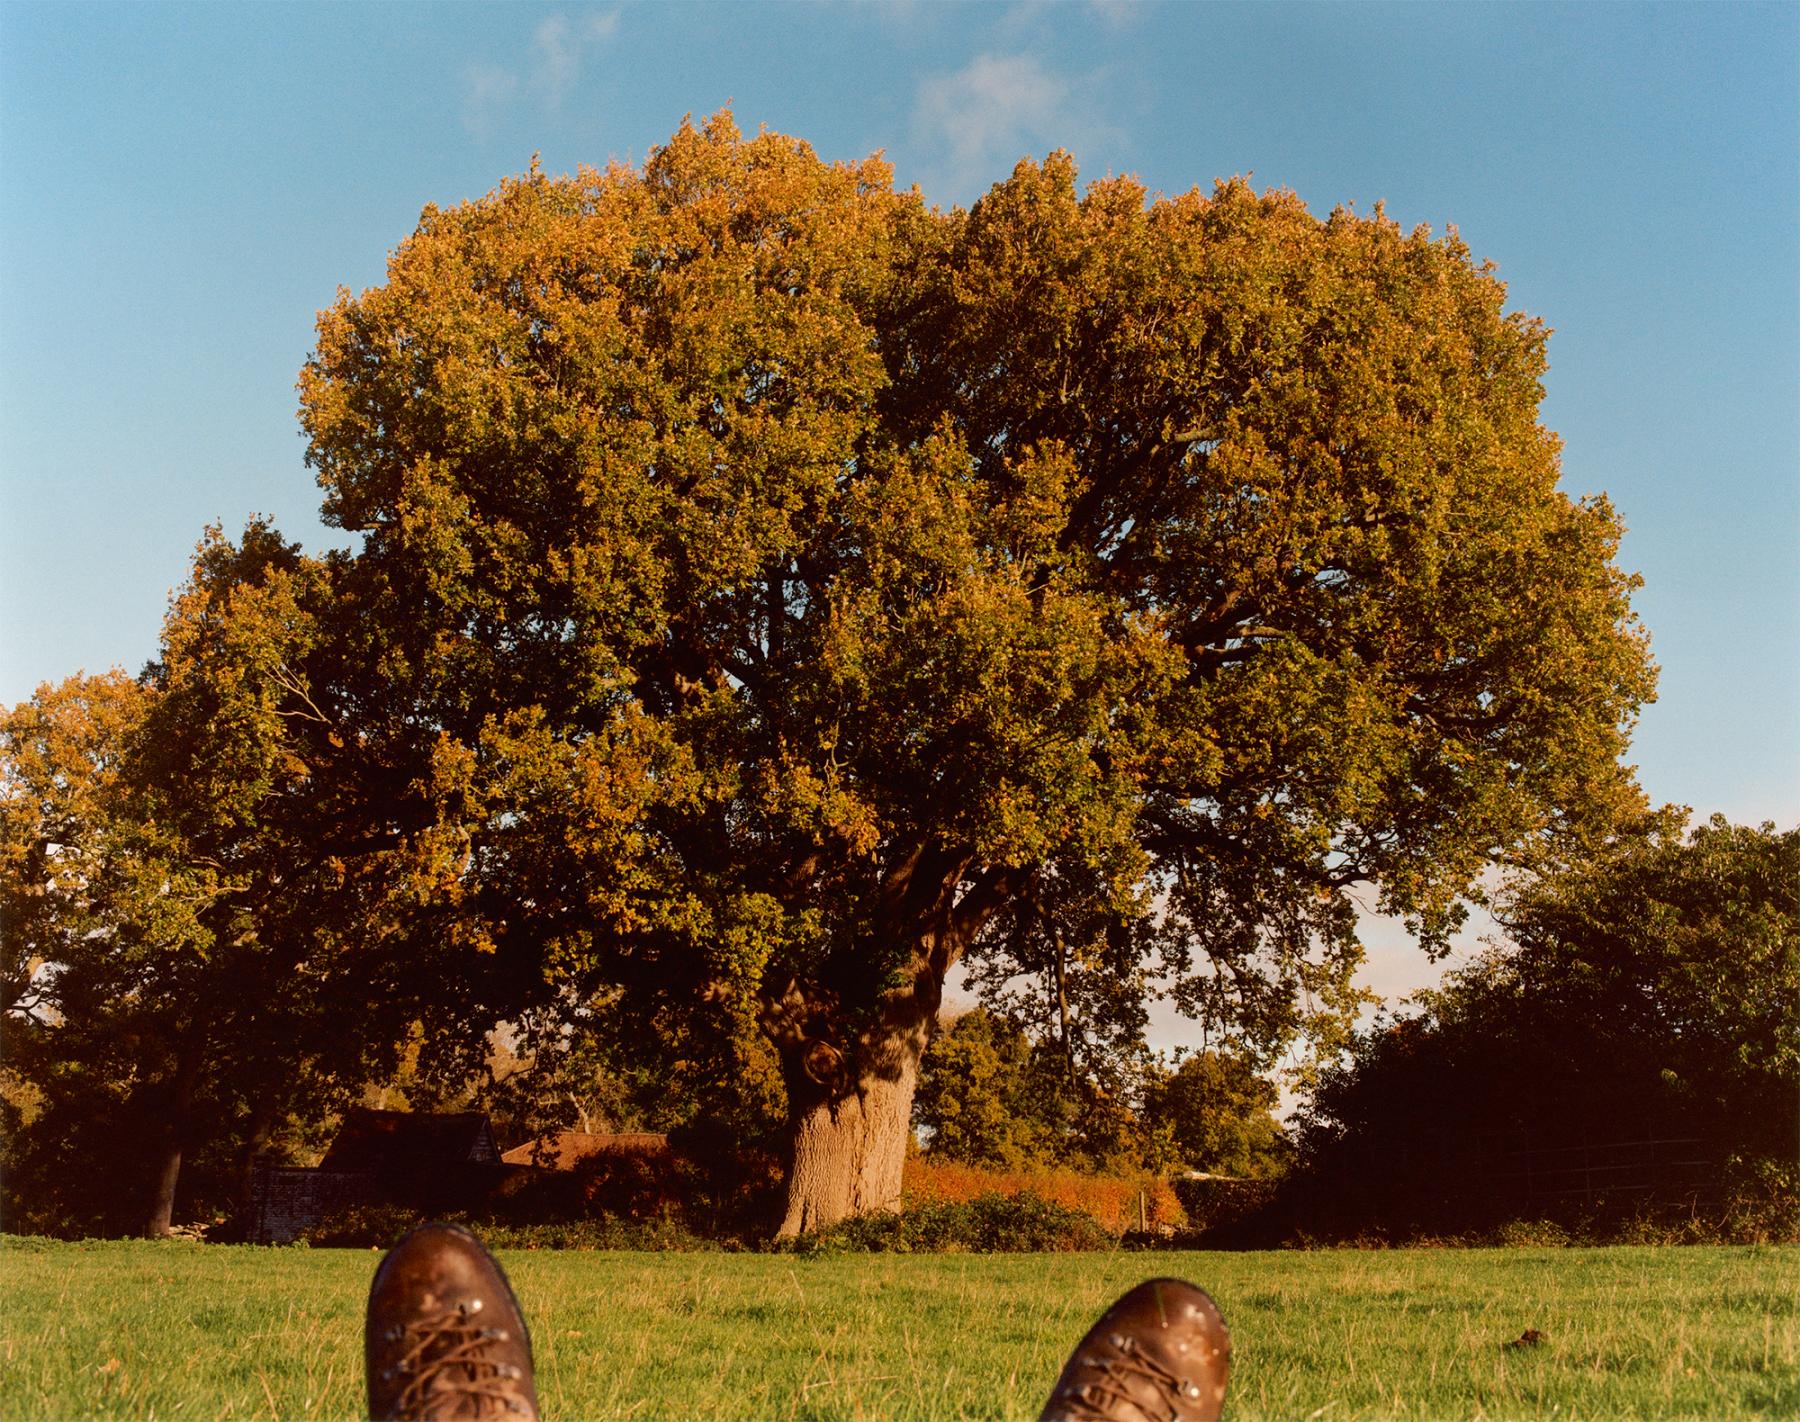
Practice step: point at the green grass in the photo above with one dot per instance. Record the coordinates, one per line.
(177, 1330)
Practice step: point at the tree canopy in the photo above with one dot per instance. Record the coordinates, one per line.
(773, 591)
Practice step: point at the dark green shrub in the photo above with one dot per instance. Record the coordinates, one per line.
(363, 1227)
(989, 1224)
(1215, 1206)
(705, 1186)
(381, 1226)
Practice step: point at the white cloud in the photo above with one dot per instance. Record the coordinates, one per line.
(560, 49)
(557, 48)
(487, 89)
(1117, 13)
(987, 115)
(1028, 21)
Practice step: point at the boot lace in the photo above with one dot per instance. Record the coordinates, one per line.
(1118, 1381)
(444, 1359)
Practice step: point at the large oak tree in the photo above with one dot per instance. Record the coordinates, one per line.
(773, 591)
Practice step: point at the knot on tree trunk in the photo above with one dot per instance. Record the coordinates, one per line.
(823, 1063)
(798, 1020)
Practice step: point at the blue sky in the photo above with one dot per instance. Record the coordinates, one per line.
(182, 188)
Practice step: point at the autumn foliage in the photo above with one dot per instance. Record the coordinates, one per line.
(766, 592)
(1110, 1199)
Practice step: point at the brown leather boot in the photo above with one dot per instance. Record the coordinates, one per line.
(444, 1339)
(1160, 1354)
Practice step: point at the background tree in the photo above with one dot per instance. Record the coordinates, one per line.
(187, 998)
(988, 1096)
(773, 591)
(1647, 995)
(59, 769)
(105, 940)
(64, 844)
(1218, 1116)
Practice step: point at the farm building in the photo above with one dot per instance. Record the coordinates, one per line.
(397, 1142)
(380, 1157)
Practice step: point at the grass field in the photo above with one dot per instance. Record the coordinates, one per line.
(177, 1330)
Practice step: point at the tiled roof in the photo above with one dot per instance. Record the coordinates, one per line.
(386, 1140)
(564, 1150)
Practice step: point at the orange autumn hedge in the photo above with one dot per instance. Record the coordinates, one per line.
(1110, 1199)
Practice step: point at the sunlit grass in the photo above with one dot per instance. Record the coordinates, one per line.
(175, 1330)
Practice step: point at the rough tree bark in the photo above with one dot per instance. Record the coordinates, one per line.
(850, 1133)
(850, 1102)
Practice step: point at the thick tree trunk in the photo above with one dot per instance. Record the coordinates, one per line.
(850, 1098)
(176, 1125)
(849, 1152)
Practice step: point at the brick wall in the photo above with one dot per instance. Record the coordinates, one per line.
(287, 1201)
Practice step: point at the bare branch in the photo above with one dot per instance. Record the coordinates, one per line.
(284, 677)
